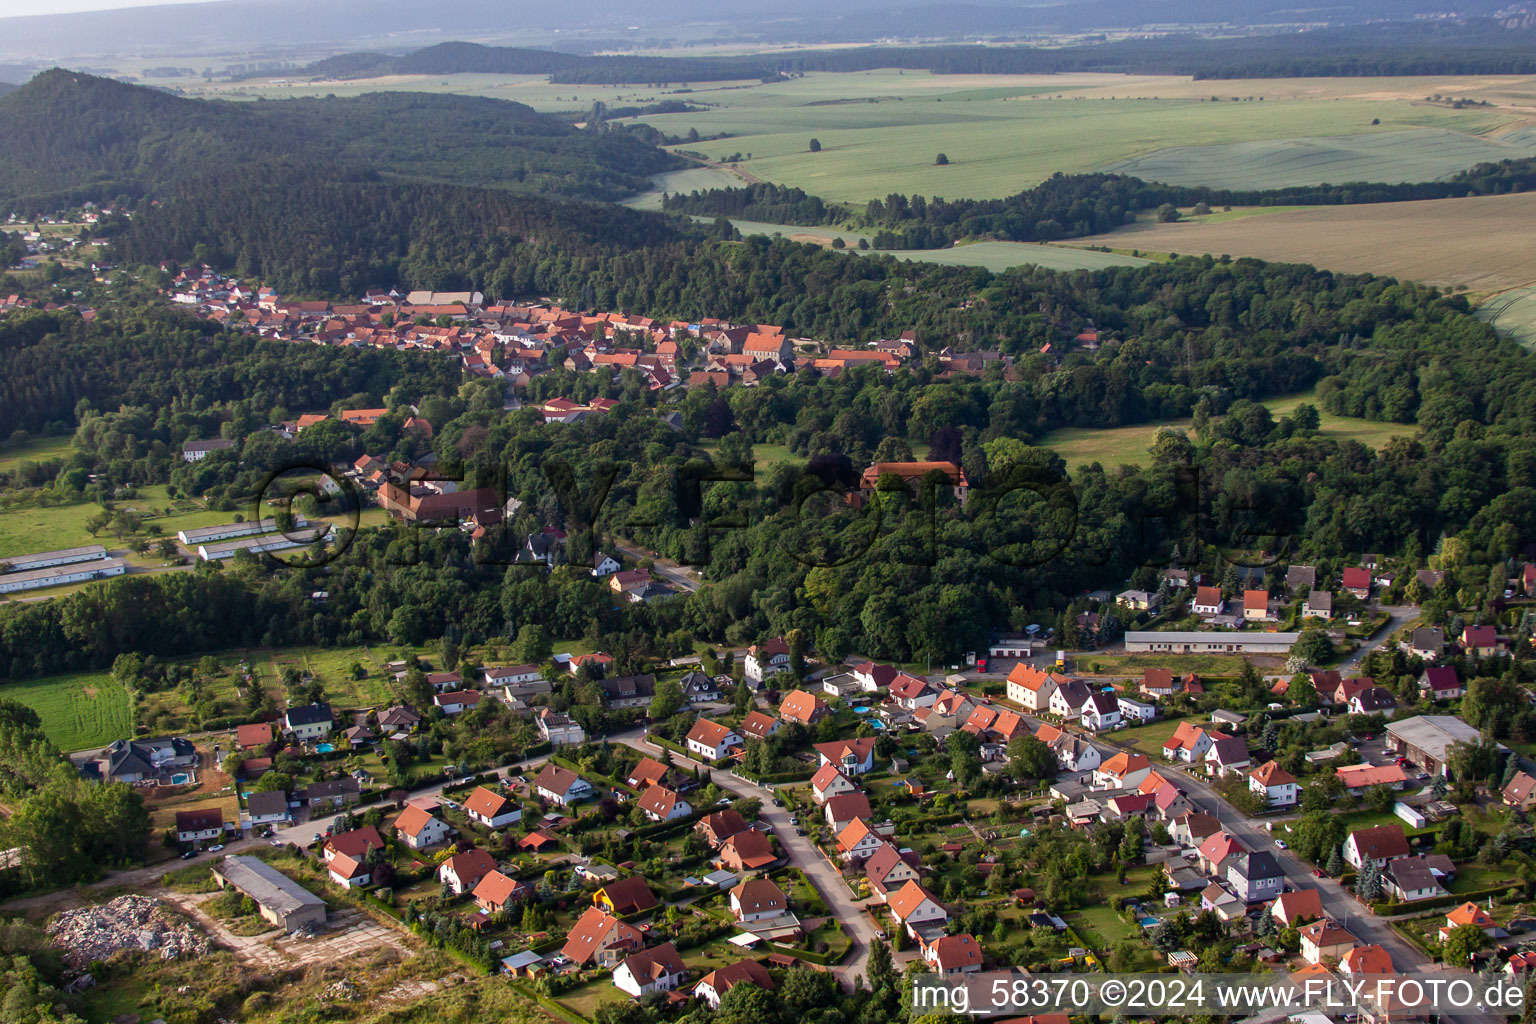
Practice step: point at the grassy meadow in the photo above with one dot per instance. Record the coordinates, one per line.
(79, 711)
(34, 449)
(1513, 313)
(1115, 446)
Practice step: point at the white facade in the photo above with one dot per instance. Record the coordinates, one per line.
(101, 568)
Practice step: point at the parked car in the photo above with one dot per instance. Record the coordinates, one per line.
(189, 855)
(1281, 843)
(216, 847)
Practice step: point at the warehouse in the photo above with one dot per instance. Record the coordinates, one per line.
(280, 899)
(257, 545)
(1427, 740)
(1175, 642)
(59, 575)
(48, 559)
(227, 531)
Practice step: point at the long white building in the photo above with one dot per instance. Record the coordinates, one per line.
(226, 531)
(58, 575)
(1175, 642)
(263, 544)
(45, 559)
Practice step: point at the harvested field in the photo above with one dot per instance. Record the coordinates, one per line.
(1483, 243)
(1513, 314)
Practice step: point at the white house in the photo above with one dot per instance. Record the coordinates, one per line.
(766, 659)
(1101, 712)
(851, 757)
(1068, 698)
(758, 899)
(711, 741)
(916, 907)
(1276, 785)
(560, 785)
(828, 782)
(1032, 687)
(604, 565)
(658, 969)
(662, 804)
(419, 830)
(463, 871)
(1136, 710)
(491, 809)
(309, 721)
(509, 675)
(560, 729)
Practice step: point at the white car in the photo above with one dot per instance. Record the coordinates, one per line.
(1281, 843)
(216, 847)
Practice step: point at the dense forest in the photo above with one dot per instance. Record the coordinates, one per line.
(1065, 205)
(1475, 46)
(66, 137)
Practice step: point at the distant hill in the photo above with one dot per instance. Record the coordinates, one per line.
(6, 87)
(67, 136)
(473, 58)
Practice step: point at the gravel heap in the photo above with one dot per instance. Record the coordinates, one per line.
(128, 922)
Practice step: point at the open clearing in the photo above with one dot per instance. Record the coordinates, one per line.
(880, 130)
(34, 449)
(1484, 243)
(80, 711)
(29, 529)
(1115, 446)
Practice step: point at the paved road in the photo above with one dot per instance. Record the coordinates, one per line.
(801, 852)
(667, 569)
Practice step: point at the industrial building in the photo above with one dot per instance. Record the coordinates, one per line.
(279, 898)
(59, 575)
(227, 531)
(1174, 642)
(264, 543)
(48, 559)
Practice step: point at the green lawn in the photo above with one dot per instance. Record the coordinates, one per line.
(28, 529)
(82, 711)
(1148, 739)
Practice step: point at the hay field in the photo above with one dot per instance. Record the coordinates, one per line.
(1512, 313)
(79, 711)
(1484, 243)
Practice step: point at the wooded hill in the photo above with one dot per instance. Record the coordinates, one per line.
(66, 137)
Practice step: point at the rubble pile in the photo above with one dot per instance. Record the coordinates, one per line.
(345, 991)
(128, 922)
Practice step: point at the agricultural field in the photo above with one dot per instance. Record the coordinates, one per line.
(1481, 243)
(880, 130)
(81, 711)
(999, 256)
(1512, 313)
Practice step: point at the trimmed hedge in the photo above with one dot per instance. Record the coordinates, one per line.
(1451, 900)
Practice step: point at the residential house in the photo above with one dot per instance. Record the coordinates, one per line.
(1068, 698)
(1318, 605)
(1300, 578)
(1427, 642)
(626, 896)
(309, 721)
(1373, 700)
(758, 899)
(1277, 786)
(349, 872)
(560, 729)
(648, 772)
(1358, 582)
(1217, 850)
(1323, 940)
(952, 710)
(916, 909)
(267, 808)
(497, 676)
(1521, 792)
(561, 785)
(953, 954)
(200, 828)
(398, 719)
(1207, 601)
(1377, 845)
(1365, 960)
(1470, 913)
(714, 985)
(604, 564)
(1411, 878)
(1255, 877)
(700, 687)
(851, 757)
(711, 741)
(840, 810)
(1073, 753)
(1357, 778)
(599, 938)
(254, 736)
(857, 841)
(627, 691)
(1297, 907)
(332, 794)
(1480, 641)
(1101, 712)
(1440, 682)
(1228, 754)
(419, 829)
(463, 871)
(872, 677)
(442, 682)
(888, 870)
(1255, 605)
(1137, 600)
(662, 804)
(658, 969)
(803, 707)
(765, 660)
(489, 808)
(719, 826)
(828, 783)
(1031, 687)
(911, 692)
(759, 726)
(1124, 770)
(747, 851)
(1136, 711)
(454, 702)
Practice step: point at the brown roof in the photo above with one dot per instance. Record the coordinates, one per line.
(907, 899)
(1383, 842)
(952, 952)
(742, 972)
(758, 895)
(656, 962)
(412, 820)
(746, 850)
(648, 772)
(256, 734)
(721, 825)
(659, 800)
(199, 820)
(357, 842)
(597, 929)
(757, 725)
(554, 779)
(495, 888)
(471, 865)
(629, 895)
(847, 806)
(708, 733)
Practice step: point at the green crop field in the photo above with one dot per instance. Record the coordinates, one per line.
(1116, 446)
(880, 130)
(1424, 154)
(79, 711)
(694, 179)
(1513, 313)
(997, 256)
(34, 449)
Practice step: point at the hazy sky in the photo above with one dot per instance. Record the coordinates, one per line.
(13, 8)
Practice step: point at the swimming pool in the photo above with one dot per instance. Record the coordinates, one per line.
(1148, 922)
(324, 748)
(180, 779)
(861, 711)
(878, 724)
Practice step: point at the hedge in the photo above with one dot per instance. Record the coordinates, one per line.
(1453, 899)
